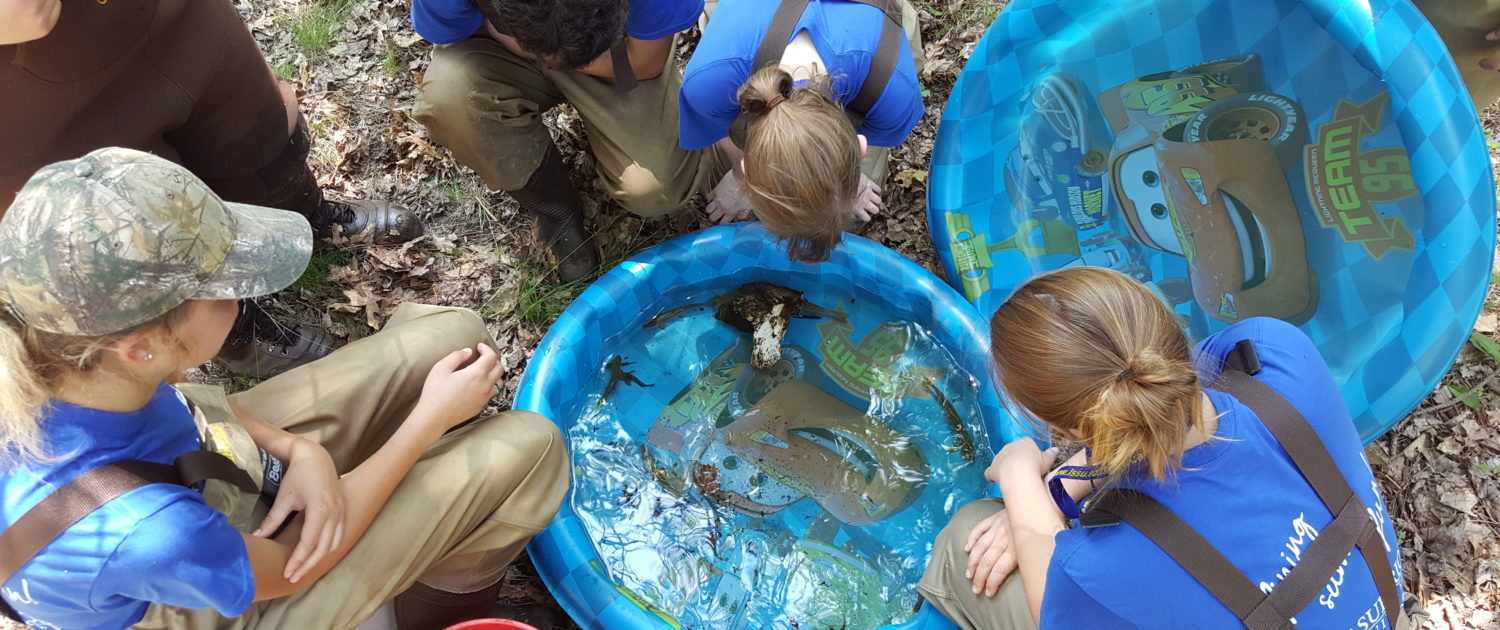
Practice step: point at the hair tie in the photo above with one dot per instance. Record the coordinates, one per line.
(1125, 373)
(775, 100)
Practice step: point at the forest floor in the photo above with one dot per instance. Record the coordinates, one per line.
(357, 63)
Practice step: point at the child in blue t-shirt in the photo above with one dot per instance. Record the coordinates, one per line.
(1093, 356)
(118, 271)
(800, 164)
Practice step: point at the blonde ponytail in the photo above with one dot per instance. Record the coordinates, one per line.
(1091, 352)
(22, 395)
(32, 362)
(802, 160)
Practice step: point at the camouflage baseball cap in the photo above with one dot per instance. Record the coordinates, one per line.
(118, 237)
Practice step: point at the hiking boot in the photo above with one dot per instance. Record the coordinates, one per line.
(423, 607)
(260, 347)
(576, 255)
(559, 218)
(341, 222)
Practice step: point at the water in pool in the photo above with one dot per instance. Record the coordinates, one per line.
(805, 495)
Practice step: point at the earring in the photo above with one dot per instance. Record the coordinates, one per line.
(150, 356)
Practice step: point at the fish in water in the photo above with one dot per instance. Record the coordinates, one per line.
(618, 374)
(965, 443)
(761, 309)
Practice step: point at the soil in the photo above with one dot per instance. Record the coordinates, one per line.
(1439, 469)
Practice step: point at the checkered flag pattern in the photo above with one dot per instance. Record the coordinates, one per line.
(1389, 327)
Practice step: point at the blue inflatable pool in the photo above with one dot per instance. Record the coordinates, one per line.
(1317, 161)
(695, 503)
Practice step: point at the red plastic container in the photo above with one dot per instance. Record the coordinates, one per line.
(492, 624)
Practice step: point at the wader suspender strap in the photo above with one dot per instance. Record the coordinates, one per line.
(625, 79)
(1302, 443)
(87, 492)
(1351, 526)
(779, 34)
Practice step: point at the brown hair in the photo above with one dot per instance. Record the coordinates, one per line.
(1091, 351)
(802, 161)
(32, 362)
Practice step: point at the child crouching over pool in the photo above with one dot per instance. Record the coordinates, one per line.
(1197, 437)
(119, 270)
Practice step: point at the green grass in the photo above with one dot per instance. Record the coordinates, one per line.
(541, 302)
(319, 266)
(453, 190)
(285, 70)
(542, 299)
(395, 62)
(316, 29)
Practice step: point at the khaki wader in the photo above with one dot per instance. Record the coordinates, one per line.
(455, 521)
(485, 104)
(945, 587)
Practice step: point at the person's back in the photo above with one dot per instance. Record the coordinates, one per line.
(1245, 496)
(105, 570)
(1093, 356)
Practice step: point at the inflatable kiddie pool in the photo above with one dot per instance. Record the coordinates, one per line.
(1318, 161)
(710, 494)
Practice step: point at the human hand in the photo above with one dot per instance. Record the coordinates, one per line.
(27, 20)
(457, 388)
(991, 559)
(1021, 458)
(867, 203)
(1492, 60)
(311, 486)
(727, 202)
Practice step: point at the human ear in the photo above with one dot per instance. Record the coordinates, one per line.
(864, 145)
(136, 349)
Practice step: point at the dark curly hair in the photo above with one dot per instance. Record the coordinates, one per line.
(568, 33)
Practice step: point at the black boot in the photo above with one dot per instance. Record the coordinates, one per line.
(423, 607)
(288, 183)
(559, 218)
(260, 347)
(388, 223)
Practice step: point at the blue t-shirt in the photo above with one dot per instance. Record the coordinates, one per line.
(845, 34)
(1244, 495)
(157, 543)
(448, 21)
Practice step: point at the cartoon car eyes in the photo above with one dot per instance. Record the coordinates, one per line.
(1141, 187)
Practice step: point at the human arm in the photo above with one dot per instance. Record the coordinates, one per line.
(446, 21)
(452, 393)
(27, 20)
(1033, 519)
(992, 558)
(310, 487)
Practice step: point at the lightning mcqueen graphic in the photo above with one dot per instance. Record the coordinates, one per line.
(1198, 170)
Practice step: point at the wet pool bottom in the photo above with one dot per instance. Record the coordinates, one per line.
(805, 495)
